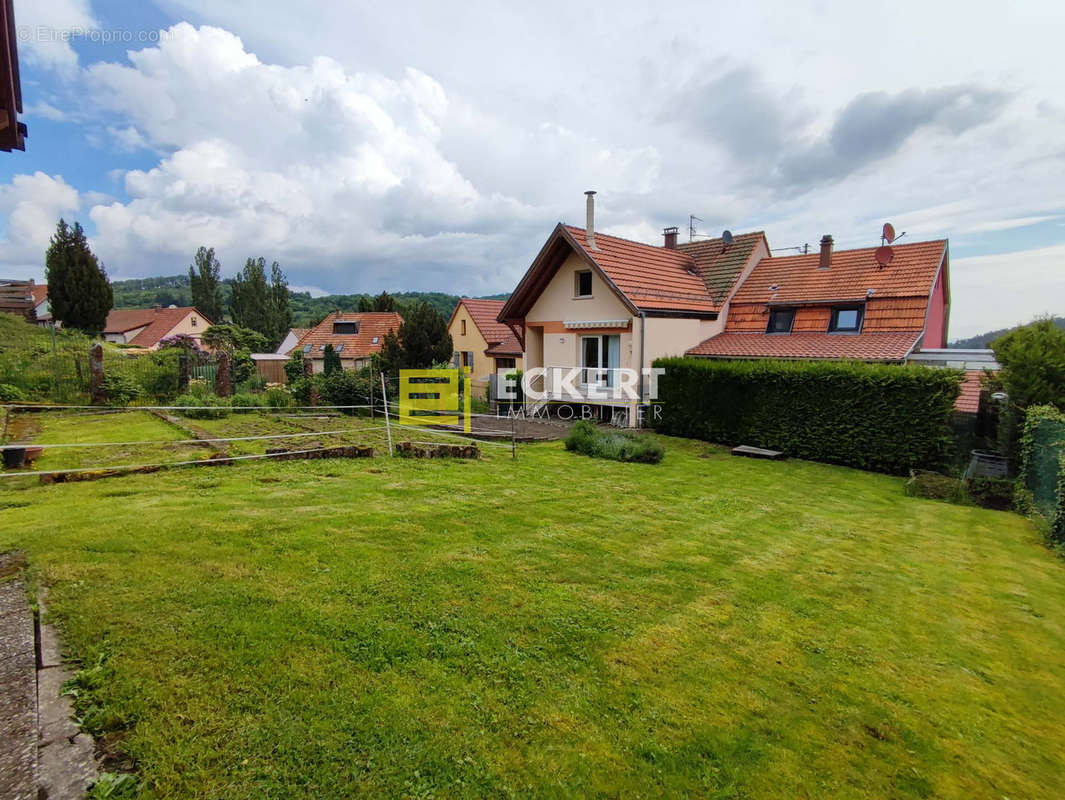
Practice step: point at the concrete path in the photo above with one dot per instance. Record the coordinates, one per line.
(18, 692)
(42, 752)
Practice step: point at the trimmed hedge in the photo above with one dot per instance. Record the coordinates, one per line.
(881, 417)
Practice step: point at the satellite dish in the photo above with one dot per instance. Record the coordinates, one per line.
(889, 232)
(726, 238)
(884, 255)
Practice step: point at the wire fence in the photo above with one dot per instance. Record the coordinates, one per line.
(1044, 470)
(318, 430)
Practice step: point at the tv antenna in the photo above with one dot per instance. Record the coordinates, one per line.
(802, 249)
(692, 219)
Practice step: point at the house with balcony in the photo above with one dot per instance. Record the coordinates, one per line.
(592, 308)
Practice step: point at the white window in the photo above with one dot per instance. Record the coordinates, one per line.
(600, 359)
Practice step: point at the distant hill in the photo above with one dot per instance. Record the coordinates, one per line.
(306, 310)
(984, 340)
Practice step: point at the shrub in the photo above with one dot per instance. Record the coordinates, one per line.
(207, 406)
(300, 389)
(934, 486)
(256, 383)
(586, 438)
(243, 401)
(11, 394)
(331, 360)
(120, 389)
(294, 367)
(276, 398)
(994, 493)
(344, 388)
(879, 417)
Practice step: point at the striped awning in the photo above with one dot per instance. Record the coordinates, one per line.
(597, 323)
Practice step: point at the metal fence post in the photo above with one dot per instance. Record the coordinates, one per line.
(388, 425)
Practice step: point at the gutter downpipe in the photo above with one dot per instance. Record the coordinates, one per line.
(643, 338)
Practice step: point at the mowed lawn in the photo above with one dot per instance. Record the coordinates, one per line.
(556, 626)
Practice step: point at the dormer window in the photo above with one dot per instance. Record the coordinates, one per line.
(583, 283)
(345, 328)
(780, 320)
(846, 319)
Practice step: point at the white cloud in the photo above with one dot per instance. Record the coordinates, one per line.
(32, 205)
(999, 291)
(422, 149)
(44, 29)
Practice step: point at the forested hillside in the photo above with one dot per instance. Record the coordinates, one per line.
(306, 310)
(984, 339)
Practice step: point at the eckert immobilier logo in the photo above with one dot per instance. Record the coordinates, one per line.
(443, 396)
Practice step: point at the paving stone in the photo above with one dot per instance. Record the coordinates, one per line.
(51, 653)
(66, 766)
(18, 695)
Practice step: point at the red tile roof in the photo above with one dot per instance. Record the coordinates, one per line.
(40, 293)
(501, 340)
(851, 275)
(651, 277)
(157, 322)
(969, 399)
(862, 346)
(372, 325)
(120, 320)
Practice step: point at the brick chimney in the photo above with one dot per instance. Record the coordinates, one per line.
(589, 226)
(670, 236)
(826, 252)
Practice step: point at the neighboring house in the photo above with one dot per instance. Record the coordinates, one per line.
(481, 343)
(17, 297)
(602, 303)
(844, 305)
(354, 336)
(839, 305)
(975, 363)
(41, 309)
(12, 132)
(291, 340)
(147, 327)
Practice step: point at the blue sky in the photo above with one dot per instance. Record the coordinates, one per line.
(434, 145)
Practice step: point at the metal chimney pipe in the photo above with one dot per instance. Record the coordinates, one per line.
(589, 226)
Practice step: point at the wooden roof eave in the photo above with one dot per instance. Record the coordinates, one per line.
(543, 269)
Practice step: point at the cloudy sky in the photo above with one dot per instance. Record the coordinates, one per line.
(429, 145)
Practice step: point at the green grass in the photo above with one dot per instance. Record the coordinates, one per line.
(556, 626)
(80, 427)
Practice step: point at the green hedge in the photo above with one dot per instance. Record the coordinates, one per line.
(882, 417)
(1042, 472)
